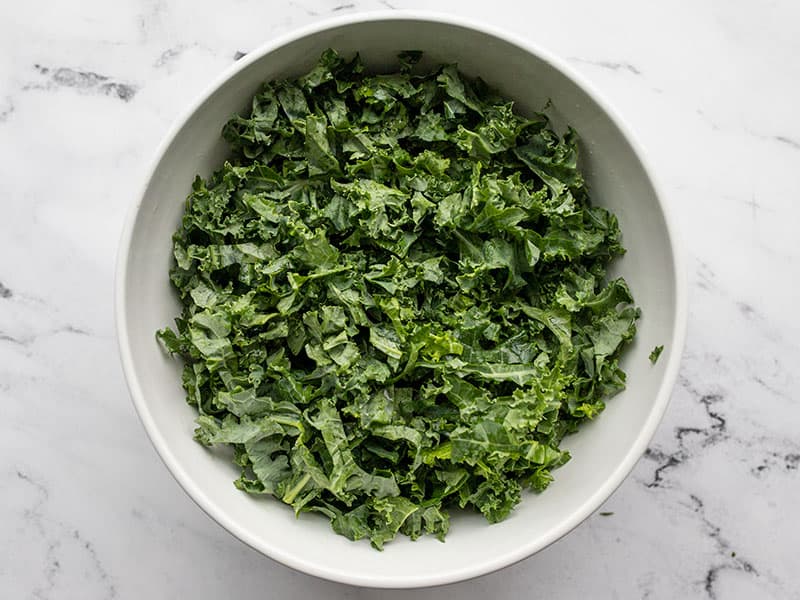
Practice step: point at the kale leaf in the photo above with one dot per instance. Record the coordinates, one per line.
(656, 353)
(395, 298)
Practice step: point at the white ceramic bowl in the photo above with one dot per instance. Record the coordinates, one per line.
(604, 452)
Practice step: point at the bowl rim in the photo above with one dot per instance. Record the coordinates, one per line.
(491, 563)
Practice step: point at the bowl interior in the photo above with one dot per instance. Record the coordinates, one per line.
(603, 451)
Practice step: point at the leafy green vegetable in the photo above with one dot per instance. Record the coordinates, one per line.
(395, 298)
(656, 353)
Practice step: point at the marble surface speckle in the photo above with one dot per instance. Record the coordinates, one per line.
(88, 89)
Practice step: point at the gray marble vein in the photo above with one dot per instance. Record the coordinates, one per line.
(7, 109)
(792, 143)
(83, 81)
(609, 64)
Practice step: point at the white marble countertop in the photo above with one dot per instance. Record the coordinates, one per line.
(87, 90)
